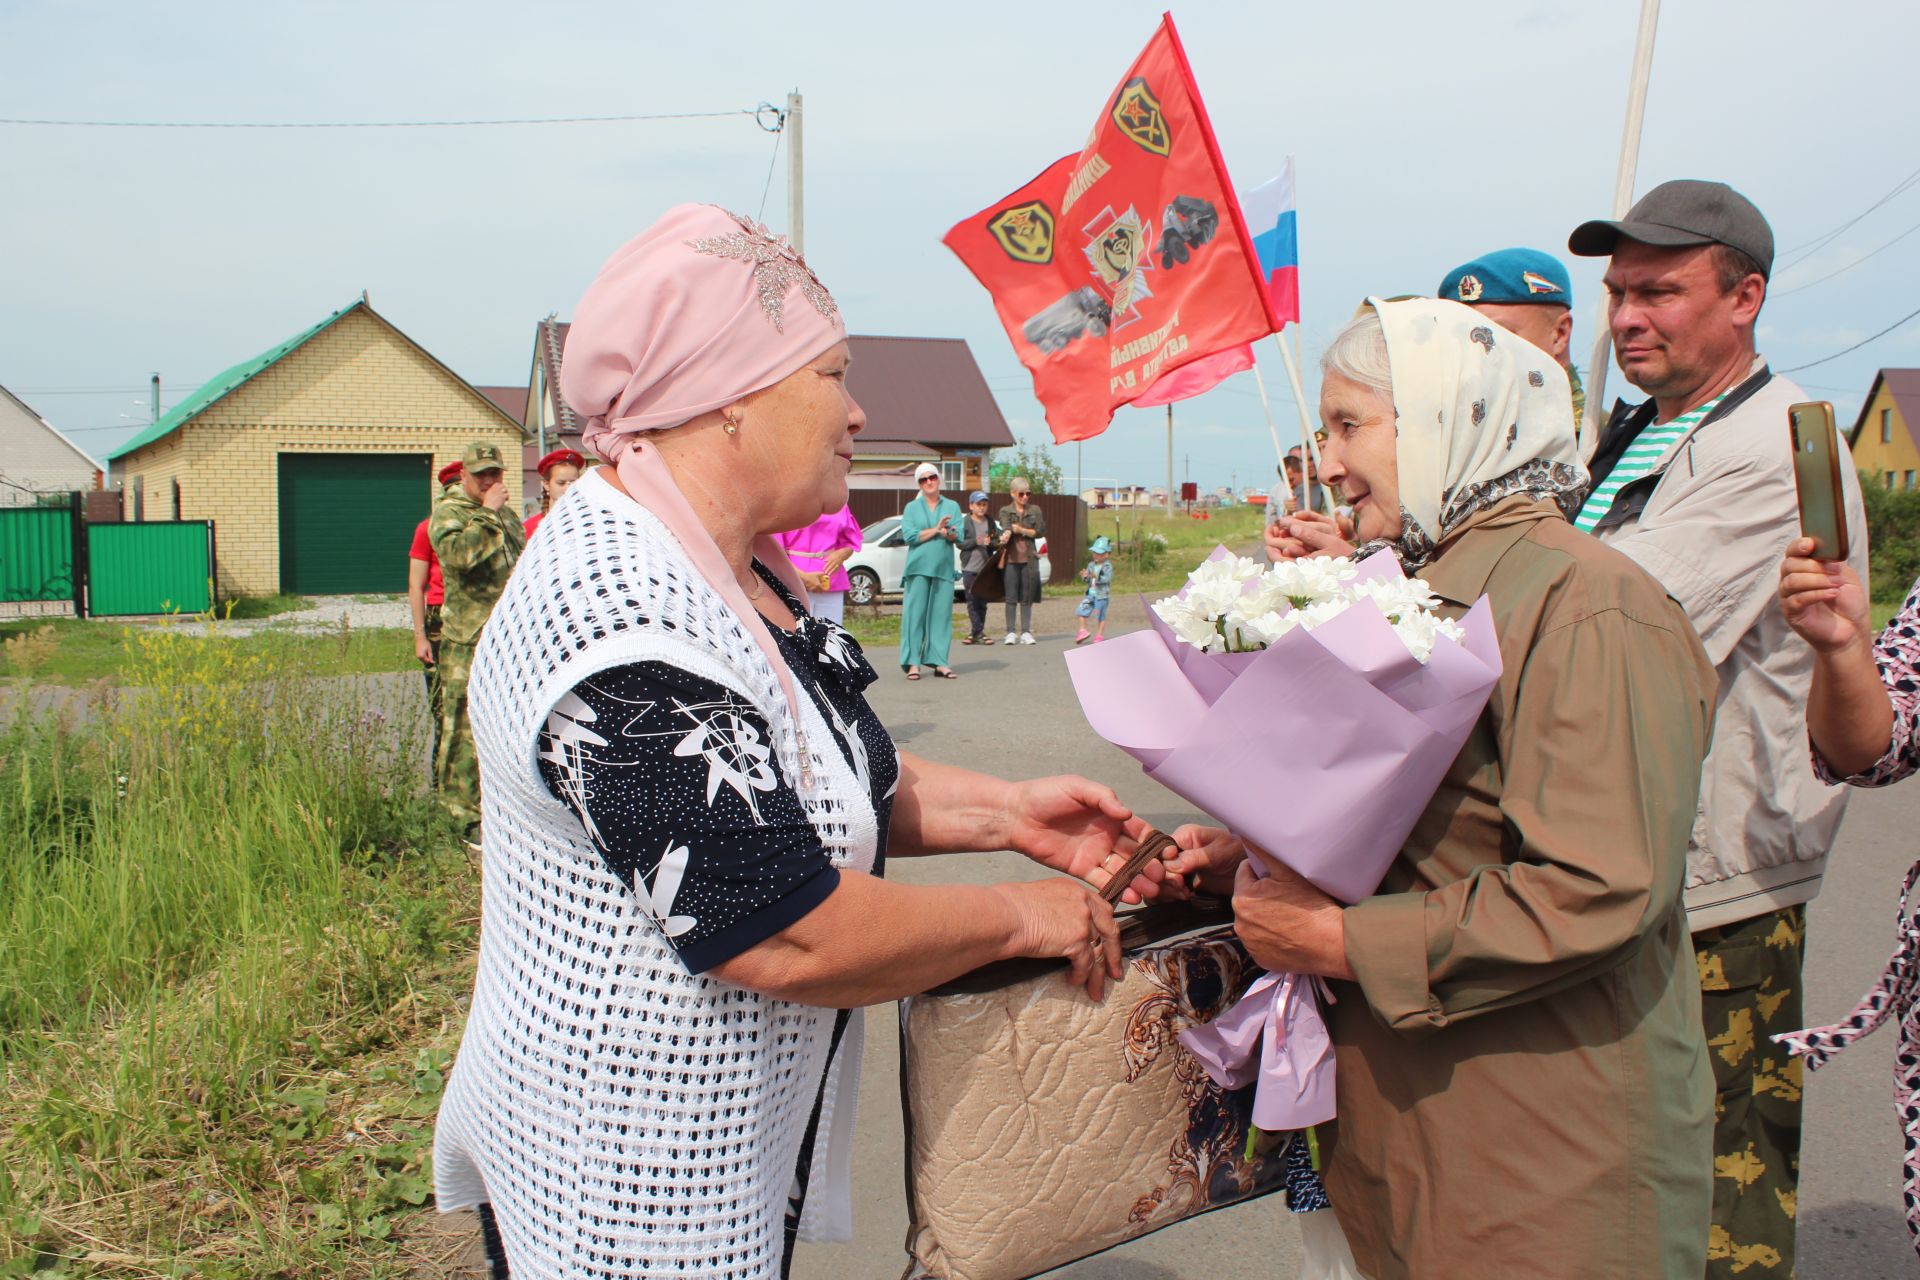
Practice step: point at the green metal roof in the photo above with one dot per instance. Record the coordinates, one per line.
(220, 384)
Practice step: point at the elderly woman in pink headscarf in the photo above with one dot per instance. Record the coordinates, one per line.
(688, 805)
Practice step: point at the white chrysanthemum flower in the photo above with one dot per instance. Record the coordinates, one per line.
(1189, 625)
(1266, 628)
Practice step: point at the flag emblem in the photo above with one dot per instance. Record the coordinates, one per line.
(1538, 284)
(1137, 112)
(1025, 231)
(1117, 249)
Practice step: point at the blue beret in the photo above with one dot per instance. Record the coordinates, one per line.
(1510, 275)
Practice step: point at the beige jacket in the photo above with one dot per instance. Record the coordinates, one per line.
(1523, 1082)
(1711, 523)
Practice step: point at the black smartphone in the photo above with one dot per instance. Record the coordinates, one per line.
(1816, 477)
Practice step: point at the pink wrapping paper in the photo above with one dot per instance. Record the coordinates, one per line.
(1330, 746)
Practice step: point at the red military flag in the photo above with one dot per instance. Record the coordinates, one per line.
(1123, 263)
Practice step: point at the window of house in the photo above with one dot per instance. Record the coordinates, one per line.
(1886, 481)
(953, 473)
(1886, 426)
(139, 498)
(175, 486)
(1909, 483)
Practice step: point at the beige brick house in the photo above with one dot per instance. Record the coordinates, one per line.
(315, 459)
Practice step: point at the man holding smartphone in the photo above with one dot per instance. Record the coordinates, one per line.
(1697, 486)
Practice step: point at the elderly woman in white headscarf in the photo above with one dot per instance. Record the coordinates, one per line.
(1522, 1077)
(689, 805)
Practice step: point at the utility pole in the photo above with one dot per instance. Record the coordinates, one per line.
(1622, 200)
(796, 185)
(1169, 458)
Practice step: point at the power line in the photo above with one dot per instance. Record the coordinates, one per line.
(368, 124)
(1856, 346)
(1851, 265)
(1820, 242)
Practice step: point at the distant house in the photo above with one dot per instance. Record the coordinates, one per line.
(1126, 495)
(926, 401)
(1883, 439)
(36, 459)
(314, 459)
(549, 423)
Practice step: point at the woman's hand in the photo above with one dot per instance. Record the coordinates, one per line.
(1288, 925)
(1065, 919)
(1823, 600)
(1306, 534)
(1208, 853)
(1072, 825)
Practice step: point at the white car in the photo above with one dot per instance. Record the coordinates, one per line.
(881, 562)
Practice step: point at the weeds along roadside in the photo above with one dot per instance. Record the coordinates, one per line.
(235, 926)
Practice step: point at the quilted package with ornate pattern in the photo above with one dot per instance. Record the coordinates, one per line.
(1042, 1128)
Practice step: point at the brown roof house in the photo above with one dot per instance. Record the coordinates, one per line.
(314, 459)
(35, 459)
(926, 401)
(1884, 440)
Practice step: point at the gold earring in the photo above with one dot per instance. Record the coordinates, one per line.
(730, 423)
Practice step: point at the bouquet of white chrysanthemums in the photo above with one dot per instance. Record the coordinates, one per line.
(1311, 708)
(1232, 604)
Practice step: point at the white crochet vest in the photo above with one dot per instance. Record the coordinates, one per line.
(622, 1116)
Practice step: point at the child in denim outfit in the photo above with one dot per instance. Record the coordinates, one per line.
(1099, 578)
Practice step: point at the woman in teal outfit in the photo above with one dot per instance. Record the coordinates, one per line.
(931, 527)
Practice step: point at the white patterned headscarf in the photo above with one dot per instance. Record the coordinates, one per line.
(1480, 415)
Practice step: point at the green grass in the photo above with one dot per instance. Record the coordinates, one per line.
(1883, 613)
(1187, 542)
(72, 652)
(243, 608)
(238, 934)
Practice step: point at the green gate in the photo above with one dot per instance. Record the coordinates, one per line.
(147, 567)
(347, 519)
(37, 546)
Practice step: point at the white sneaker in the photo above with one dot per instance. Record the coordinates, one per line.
(1011, 639)
(1026, 637)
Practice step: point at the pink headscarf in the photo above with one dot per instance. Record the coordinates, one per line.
(689, 316)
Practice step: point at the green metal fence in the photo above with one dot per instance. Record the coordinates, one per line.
(37, 552)
(149, 567)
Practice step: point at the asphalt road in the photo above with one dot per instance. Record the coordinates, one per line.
(1851, 1223)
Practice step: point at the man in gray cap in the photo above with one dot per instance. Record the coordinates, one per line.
(1696, 485)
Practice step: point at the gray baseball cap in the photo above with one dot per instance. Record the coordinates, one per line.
(1679, 213)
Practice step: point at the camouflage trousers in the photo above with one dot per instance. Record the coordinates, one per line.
(456, 769)
(1749, 989)
(432, 676)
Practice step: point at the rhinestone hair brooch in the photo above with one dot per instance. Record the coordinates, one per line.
(776, 268)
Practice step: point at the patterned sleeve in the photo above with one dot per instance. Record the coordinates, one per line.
(676, 782)
(1897, 653)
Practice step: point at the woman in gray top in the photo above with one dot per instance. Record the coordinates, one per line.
(979, 540)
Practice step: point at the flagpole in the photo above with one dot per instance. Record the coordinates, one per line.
(1300, 402)
(1622, 199)
(1266, 407)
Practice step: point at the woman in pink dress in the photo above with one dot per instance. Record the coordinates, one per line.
(818, 552)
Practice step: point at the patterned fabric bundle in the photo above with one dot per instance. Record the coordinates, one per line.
(601, 1091)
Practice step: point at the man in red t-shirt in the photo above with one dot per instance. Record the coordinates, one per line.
(426, 593)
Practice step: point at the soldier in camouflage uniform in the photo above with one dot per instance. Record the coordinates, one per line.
(478, 542)
(1750, 989)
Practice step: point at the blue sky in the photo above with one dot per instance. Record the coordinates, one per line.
(1424, 134)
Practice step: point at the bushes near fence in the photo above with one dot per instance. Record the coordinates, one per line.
(1893, 535)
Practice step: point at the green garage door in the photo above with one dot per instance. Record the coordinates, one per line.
(347, 519)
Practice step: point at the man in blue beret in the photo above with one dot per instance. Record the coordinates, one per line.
(1527, 292)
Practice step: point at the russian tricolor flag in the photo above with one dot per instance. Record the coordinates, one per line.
(1269, 213)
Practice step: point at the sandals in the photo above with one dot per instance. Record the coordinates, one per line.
(914, 674)
(946, 673)
(968, 640)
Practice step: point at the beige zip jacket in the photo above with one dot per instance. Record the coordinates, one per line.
(1711, 524)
